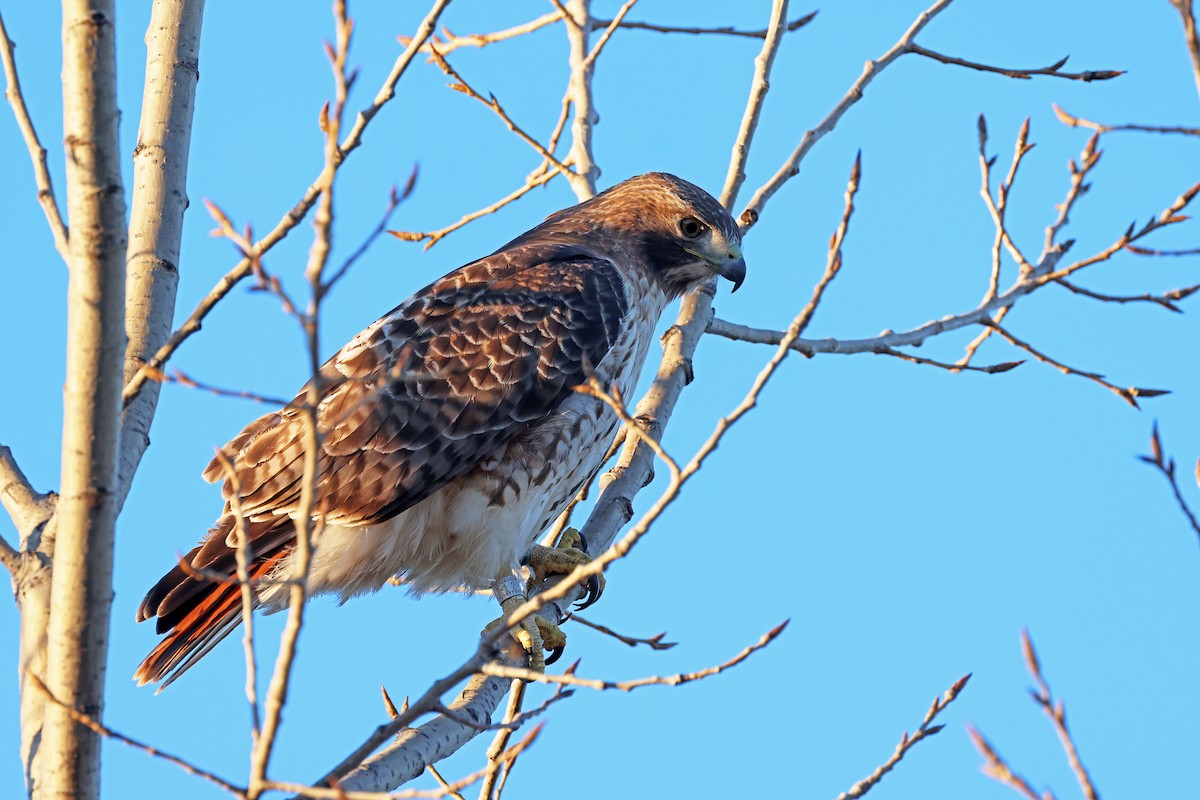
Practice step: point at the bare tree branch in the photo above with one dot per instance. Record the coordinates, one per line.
(996, 768)
(307, 525)
(395, 198)
(653, 642)
(538, 177)
(1167, 299)
(99, 728)
(492, 783)
(1057, 713)
(452, 42)
(460, 85)
(297, 213)
(1128, 394)
(791, 166)
(567, 679)
(28, 508)
(37, 153)
(1167, 467)
(577, 15)
(1080, 122)
(759, 87)
(1053, 71)
(722, 30)
(1188, 17)
(924, 730)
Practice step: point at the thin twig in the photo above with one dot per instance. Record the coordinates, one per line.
(460, 85)
(1167, 299)
(924, 730)
(590, 62)
(1044, 271)
(974, 345)
(1088, 159)
(577, 19)
(452, 41)
(833, 261)
(433, 237)
(1188, 17)
(1146, 251)
(180, 378)
(297, 213)
(612, 397)
(723, 30)
(996, 768)
(991, 369)
(491, 786)
(1053, 71)
(1128, 394)
(244, 555)
(307, 525)
(997, 207)
(791, 166)
(523, 673)
(1167, 467)
(1080, 122)
(653, 642)
(759, 86)
(442, 782)
(1056, 711)
(37, 153)
(395, 198)
(107, 732)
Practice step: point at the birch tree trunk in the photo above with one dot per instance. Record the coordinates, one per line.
(160, 163)
(81, 582)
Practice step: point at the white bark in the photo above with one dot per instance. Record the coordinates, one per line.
(81, 584)
(416, 748)
(158, 203)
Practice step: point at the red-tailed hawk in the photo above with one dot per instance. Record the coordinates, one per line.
(452, 432)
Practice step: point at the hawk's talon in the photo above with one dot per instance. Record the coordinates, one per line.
(595, 588)
(534, 634)
(561, 560)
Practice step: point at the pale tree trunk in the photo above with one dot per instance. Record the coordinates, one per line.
(155, 230)
(81, 582)
(156, 212)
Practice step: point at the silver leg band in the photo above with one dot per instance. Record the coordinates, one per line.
(509, 587)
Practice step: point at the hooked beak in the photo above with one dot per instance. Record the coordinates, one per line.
(733, 268)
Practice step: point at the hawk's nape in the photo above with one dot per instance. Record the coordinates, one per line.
(453, 434)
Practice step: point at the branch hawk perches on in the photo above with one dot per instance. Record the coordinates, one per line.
(452, 432)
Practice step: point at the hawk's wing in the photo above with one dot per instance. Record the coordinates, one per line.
(416, 400)
(434, 387)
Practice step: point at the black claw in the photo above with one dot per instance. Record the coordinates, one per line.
(555, 654)
(582, 542)
(593, 592)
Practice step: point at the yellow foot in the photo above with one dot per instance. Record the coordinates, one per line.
(561, 560)
(535, 634)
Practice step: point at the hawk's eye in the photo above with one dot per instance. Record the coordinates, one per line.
(691, 228)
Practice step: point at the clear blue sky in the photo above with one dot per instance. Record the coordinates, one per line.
(910, 522)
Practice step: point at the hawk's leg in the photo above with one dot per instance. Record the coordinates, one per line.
(534, 633)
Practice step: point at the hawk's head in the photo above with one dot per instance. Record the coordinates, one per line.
(676, 228)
